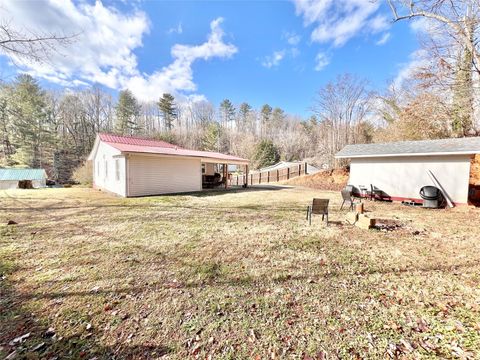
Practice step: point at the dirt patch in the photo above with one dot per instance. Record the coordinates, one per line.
(474, 182)
(475, 171)
(388, 225)
(335, 179)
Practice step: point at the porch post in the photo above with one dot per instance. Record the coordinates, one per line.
(225, 169)
(246, 176)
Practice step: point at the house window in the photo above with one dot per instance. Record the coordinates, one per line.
(203, 169)
(106, 169)
(117, 169)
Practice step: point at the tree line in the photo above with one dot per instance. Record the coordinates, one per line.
(44, 128)
(439, 98)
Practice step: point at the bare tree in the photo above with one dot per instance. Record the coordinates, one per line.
(459, 17)
(451, 52)
(30, 45)
(341, 106)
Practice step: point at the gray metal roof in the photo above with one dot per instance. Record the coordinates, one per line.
(22, 174)
(470, 145)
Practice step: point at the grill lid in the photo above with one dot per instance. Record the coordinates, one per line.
(430, 193)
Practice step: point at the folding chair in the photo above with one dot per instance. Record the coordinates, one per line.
(375, 193)
(319, 207)
(347, 198)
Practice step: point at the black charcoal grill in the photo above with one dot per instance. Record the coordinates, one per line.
(432, 197)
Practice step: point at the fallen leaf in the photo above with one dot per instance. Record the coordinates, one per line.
(39, 347)
(19, 340)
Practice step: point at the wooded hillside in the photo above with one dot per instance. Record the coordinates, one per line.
(439, 98)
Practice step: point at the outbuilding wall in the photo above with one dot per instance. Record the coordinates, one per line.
(8, 184)
(106, 176)
(404, 176)
(13, 184)
(153, 175)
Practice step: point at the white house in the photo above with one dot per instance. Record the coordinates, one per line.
(401, 169)
(134, 166)
(9, 178)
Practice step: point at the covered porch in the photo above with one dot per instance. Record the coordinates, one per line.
(216, 173)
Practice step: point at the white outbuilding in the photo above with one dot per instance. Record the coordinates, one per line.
(134, 166)
(401, 169)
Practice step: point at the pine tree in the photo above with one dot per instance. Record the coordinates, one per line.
(32, 132)
(227, 111)
(266, 114)
(5, 133)
(127, 111)
(167, 107)
(266, 154)
(211, 137)
(278, 115)
(243, 112)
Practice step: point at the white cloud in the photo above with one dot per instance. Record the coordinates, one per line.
(418, 59)
(431, 28)
(178, 76)
(176, 30)
(337, 21)
(274, 59)
(292, 38)
(103, 51)
(321, 61)
(419, 25)
(384, 39)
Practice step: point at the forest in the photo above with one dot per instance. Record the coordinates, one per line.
(55, 129)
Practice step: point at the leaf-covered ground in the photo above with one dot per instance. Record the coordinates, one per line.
(231, 275)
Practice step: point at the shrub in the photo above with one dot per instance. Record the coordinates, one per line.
(83, 174)
(266, 154)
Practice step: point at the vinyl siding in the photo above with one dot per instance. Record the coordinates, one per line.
(403, 177)
(152, 175)
(104, 170)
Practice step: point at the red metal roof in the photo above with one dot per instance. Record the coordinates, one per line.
(135, 140)
(133, 144)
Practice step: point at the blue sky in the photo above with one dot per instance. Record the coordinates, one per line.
(275, 52)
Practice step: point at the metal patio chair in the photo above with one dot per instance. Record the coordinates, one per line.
(318, 207)
(375, 193)
(347, 198)
(364, 192)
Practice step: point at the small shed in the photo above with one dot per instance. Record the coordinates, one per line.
(401, 169)
(10, 178)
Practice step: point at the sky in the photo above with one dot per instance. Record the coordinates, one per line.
(275, 52)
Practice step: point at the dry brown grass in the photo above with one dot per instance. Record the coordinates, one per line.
(233, 275)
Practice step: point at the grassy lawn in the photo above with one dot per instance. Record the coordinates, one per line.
(229, 275)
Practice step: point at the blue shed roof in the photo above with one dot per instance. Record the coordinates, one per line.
(22, 174)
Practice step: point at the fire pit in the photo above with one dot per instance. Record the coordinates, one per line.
(387, 225)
